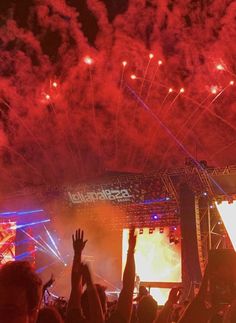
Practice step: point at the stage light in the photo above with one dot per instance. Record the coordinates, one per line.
(88, 60)
(30, 212)
(176, 240)
(231, 82)
(47, 97)
(154, 217)
(54, 84)
(133, 77)
(29, 224)
(227, 212)
(151, 231)
(181, 90)
(160, 62)
(151, 55)
(124, 63)
(17, 213)
(171, 239)
(220, 67)
(204, 193)
(53, 242)
(170, 90)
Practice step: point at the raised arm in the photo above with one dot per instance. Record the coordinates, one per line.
(74, 312)
(167, 310)
(124, 306)
(95, 308)
(197, 311)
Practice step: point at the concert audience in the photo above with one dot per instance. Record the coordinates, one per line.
(49, 314)
(21, 295)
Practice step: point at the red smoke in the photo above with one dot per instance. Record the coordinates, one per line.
(90, 123)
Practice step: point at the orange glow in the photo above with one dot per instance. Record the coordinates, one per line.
(231, 82)
(47, 97)
(151, 55)
(54, 84)
(124, 63)
(227, 212)
(156, 260)
(160, 62)
(170, 90)
(181, 90)
(133, 77)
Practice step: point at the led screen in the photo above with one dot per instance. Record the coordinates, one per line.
(156, 259)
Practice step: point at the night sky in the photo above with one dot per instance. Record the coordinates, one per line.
(63, 120)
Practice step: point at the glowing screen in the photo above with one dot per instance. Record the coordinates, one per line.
(228, 214)
(156, 259)
(7, 242)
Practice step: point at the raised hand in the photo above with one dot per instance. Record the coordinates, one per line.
(132, 240)
(78, 241)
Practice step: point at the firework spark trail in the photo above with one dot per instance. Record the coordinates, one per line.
(145, 73)
(29, 58)
(25, 161)
(67, 142)
(94, 118)
(168, 109)
(170, 134)
(208, 106)
(78, 152)
(124, 63)
(30, 132)
(149, 150)
(152, 81)
(165, 98)
(222, 149)
(200, 105)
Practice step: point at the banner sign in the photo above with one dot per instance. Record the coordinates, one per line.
(119, 196)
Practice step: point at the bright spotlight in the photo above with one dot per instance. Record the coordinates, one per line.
(47, 97)
(124, 63)
(227, 212)
(151, 55)
(133, 77)
(231, 82)
(170, 90)
(160, 62)
(181, 90)
(54, 84)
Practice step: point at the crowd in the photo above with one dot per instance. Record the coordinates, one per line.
(22, 297)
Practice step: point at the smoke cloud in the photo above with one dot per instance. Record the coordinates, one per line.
(62, 120)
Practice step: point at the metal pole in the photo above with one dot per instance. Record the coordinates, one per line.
(209, 226)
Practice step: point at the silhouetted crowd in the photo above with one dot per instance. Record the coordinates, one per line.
(23, 300)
